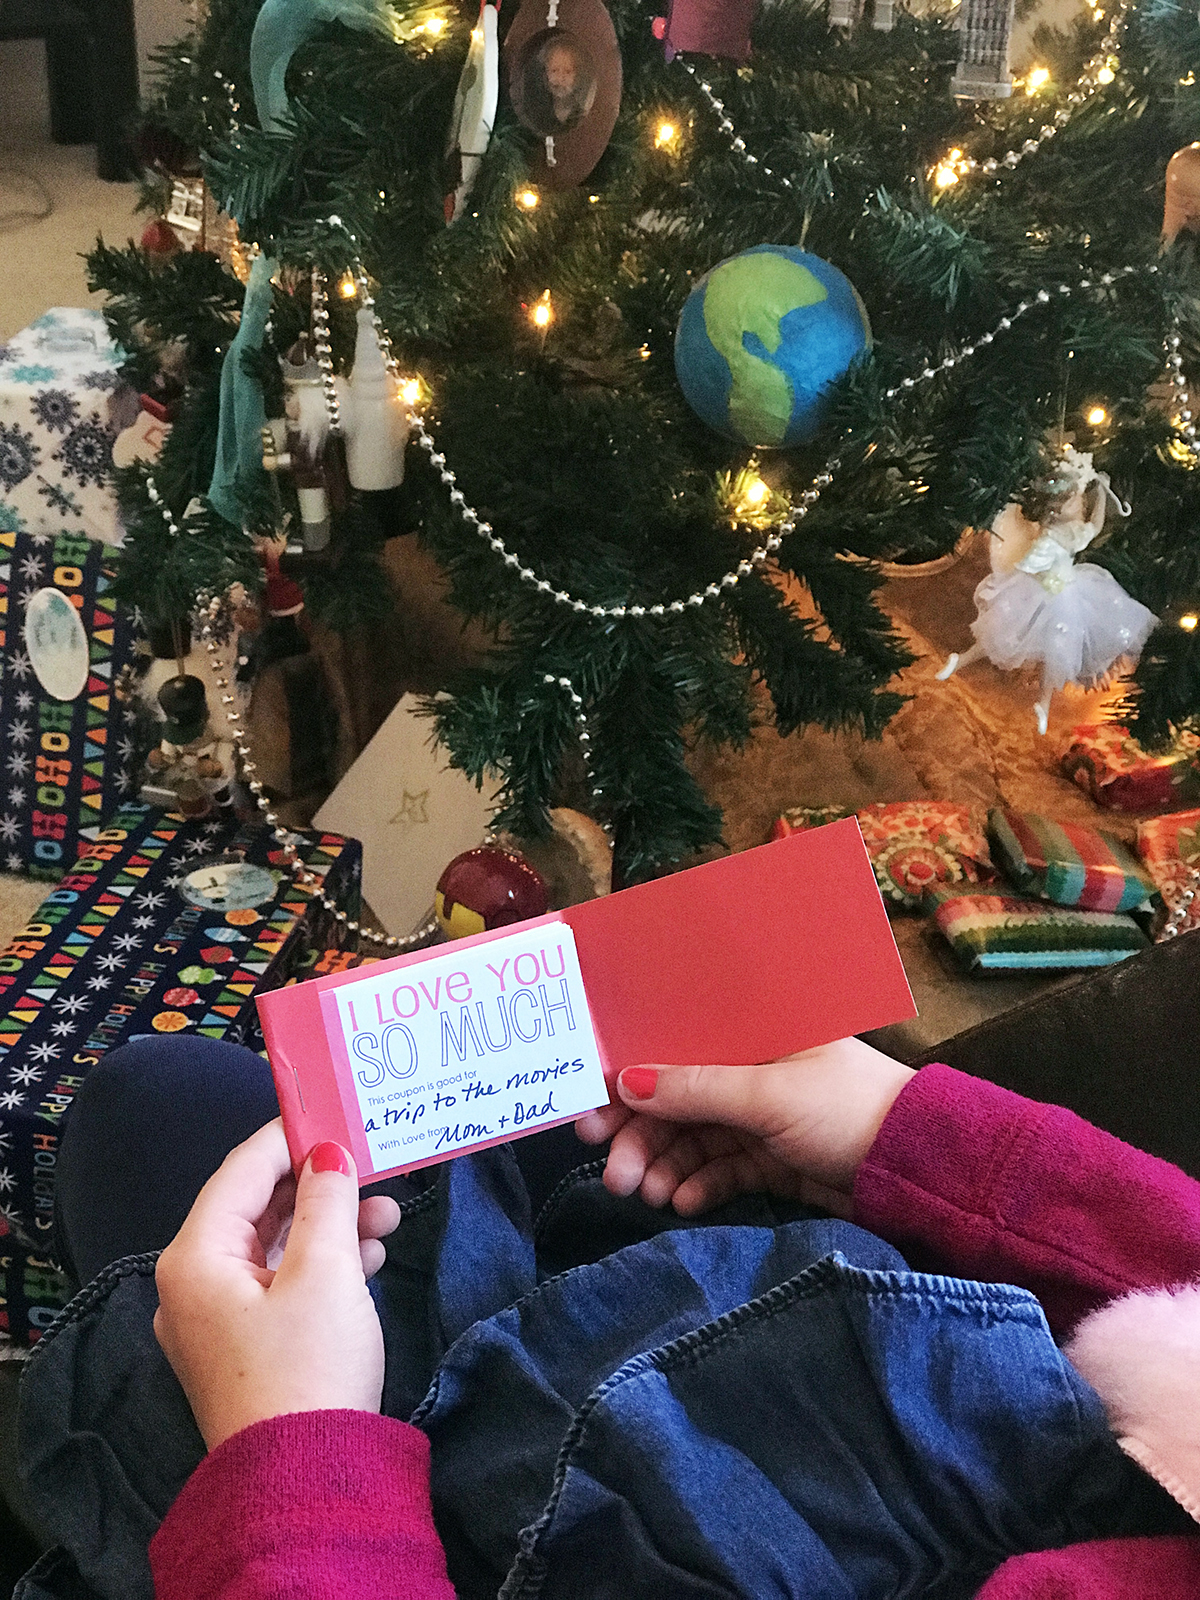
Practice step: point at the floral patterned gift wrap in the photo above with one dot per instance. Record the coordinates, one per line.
(1170, 847)
(55, 435)
(1105, 759)
(913, 844)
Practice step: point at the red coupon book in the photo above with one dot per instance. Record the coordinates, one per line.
(488, 1038)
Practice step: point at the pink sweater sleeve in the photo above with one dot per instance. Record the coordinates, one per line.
(328, 1503)
(968, 1178)
(1167, 1568)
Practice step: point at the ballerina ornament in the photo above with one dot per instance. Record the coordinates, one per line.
(1038, 604)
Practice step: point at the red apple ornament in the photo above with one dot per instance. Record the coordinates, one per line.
(487, 888)
(159, 240)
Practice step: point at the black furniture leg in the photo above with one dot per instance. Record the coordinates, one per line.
(116, 77)
(70, 79)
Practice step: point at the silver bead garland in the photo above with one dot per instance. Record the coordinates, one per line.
(758, 557)
(760, 554)
(156, 499)
(736, 143)
(1089, 84)
(1172, 927)
(1182, 421)
(324, 352)
(208, 610)
(990, 166)
(585, 738)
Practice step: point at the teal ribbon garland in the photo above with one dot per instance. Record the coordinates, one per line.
(281, 28)
(243, 412)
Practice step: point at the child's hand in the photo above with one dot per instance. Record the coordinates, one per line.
(263, 1299)
(800, 1128)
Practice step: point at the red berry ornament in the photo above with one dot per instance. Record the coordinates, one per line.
(487, 888)
(160, 239)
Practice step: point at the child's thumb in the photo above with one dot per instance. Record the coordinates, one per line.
(325, 1221)
(734, 1097)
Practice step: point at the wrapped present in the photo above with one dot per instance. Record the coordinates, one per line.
(162, 926)
(66, 753)
(1106, 760)
(1170, 848)
(56, 438)
(1070, 865)
(912, 844)
(990, 931)
(32, 1293)
(798, 818)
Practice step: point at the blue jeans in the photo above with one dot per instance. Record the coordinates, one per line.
(620, 1405)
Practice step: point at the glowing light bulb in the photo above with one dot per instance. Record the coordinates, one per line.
(665, 135)
(1037, 79)
(945, 176)
(1106, 73)
(410, 391)
(434, 26)
(542, 313)
(1189, 622)
(755, 492)
(347, 287)
(528, 199)
(593, 199)
(1097, 416)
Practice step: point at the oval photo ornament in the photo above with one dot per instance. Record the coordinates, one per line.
(564, 79)
(57, 644)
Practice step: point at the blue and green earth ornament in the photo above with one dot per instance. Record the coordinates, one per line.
(761, 338)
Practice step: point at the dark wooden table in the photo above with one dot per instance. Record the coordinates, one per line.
(92, 71)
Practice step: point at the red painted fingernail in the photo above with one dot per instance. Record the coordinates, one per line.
(640, 1081)
(330, 1157)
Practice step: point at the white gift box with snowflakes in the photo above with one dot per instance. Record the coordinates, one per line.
(56, 439)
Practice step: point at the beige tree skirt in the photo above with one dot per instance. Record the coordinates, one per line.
(973, 738)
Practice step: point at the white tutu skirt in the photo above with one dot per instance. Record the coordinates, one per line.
(1078, 633)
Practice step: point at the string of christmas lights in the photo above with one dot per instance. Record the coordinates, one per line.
(762, 552)
(1099, 71)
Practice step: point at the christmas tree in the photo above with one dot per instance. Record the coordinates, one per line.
(643, 571)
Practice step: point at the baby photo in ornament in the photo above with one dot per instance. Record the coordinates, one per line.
(556, 85)
(1038, 605)
(564, 74)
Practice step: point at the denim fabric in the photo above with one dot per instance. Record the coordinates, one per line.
(767, 1404)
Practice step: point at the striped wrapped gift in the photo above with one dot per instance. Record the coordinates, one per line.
(1071, 866)
(990, 931)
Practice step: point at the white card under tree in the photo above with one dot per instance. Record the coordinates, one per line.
(413, 812)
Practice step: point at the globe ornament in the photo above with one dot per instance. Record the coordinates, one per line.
(761, 338)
